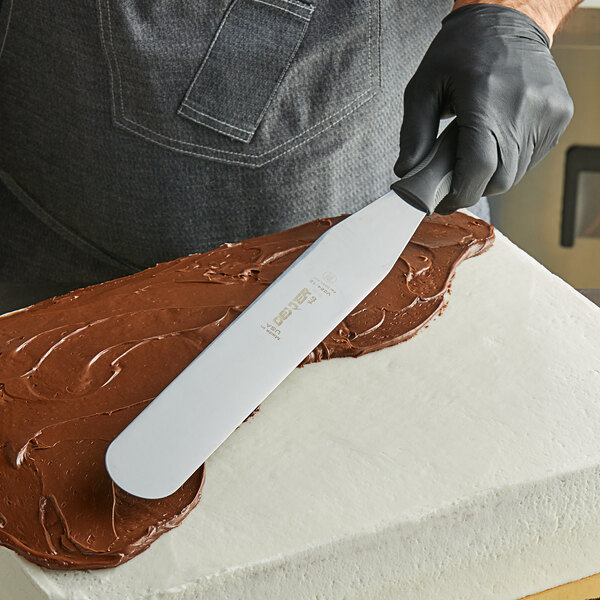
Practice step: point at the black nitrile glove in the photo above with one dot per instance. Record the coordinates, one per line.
(492, 67)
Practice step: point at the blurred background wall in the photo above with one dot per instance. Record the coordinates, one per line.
(531, 214)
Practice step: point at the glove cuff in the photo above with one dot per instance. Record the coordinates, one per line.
(495, 15)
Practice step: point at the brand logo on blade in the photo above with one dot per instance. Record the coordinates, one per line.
(304, 295)
(294, 305)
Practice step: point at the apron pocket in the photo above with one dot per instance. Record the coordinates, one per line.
(240, 82)
(247, 59)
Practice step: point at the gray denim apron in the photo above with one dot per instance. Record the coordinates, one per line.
(136, 131)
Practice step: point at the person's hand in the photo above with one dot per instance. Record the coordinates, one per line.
(492, 67)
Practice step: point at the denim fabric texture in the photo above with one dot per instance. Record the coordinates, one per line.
(134, 132)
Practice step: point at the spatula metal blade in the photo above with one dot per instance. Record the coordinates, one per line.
(202, 406)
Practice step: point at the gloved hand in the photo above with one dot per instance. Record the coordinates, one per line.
(492, 67)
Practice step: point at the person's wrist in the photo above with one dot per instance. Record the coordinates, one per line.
(546, 21)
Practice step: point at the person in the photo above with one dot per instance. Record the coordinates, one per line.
(134, 132)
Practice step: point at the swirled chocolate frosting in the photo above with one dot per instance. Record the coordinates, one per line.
(76, 369)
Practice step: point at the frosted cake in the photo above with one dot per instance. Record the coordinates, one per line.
(460, 463)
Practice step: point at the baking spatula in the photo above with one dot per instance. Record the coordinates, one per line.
(155, 454)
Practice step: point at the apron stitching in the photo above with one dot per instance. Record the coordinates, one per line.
(206, 121)
(246, 163)
(350, 106)
(284, 9)
(190, 107)
(303, 5)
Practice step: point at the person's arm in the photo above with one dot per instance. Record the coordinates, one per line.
(491, 66)
(548, 14)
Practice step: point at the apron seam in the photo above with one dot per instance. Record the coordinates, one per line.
(65, 232)
(8, 18)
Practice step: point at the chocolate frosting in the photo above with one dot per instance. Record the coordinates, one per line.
(76, 369)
